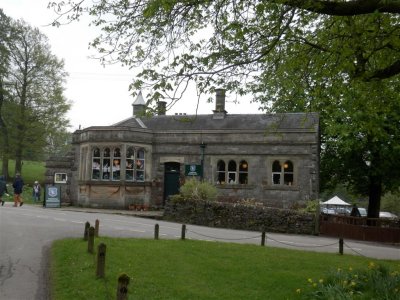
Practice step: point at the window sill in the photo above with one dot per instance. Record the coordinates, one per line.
(235, 186)
(114, 183)
(281, 187)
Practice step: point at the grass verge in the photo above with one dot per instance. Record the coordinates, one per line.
(175, 269)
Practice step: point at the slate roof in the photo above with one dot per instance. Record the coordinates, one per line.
(288, 121)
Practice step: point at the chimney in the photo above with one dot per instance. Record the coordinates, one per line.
(139, 106)
(219, 112)
(161, 108)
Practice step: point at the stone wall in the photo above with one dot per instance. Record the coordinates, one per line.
(237, 216)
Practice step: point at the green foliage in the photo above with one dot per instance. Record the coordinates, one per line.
(311, 206)
(391, 202)
(33, 106)
(194, 189)
(175, 269)
(375, 282)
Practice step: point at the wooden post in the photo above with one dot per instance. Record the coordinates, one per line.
(122, 290)
(91, 240)
(86, 233)
(263, 238)
(183, 234)
(101, 260)
(341, 246)
(156, 231)
(96, 228)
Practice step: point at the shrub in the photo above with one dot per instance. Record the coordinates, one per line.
(198, 190)
(375, 282)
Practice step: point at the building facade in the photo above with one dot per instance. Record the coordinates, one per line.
(272, 158)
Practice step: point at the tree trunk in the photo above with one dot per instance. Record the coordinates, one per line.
(4, 138)
(375, 193)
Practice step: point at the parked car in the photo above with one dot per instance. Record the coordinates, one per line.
(386, 214)
(363, 211)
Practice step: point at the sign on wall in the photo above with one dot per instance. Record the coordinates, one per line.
(193, 170)
(53, 196)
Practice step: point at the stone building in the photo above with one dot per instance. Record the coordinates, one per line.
(272, 158)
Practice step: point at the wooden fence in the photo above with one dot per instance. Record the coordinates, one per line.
(364, 229)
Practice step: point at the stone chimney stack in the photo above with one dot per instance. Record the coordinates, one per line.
(219, 112)
(139, 106)
(161, 108)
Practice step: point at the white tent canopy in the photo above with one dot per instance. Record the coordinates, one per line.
(336, 201)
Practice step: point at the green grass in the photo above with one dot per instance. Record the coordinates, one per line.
(175, 269)
(31, 171)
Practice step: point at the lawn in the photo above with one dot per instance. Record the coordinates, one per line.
(31, 171)
(176, 269)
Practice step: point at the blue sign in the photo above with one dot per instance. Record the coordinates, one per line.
(53, 196)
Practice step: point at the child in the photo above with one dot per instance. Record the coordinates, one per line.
(36, 191)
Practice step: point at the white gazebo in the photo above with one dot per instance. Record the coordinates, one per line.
(335, 201)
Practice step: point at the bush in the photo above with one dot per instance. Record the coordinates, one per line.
(198, 190)
(375, 282)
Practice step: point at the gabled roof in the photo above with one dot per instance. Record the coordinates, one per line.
(304, 121)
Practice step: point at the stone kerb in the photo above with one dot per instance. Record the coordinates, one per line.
(236, 216)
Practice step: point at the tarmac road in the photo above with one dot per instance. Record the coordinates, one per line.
(26, 234)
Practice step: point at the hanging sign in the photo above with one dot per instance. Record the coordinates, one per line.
(193, 170)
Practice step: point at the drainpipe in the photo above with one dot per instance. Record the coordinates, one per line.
(202, 147)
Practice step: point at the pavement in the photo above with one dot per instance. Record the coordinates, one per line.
(152, 214)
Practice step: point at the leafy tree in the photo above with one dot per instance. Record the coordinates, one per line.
(35, 104)
(340, 58)
(4, 62)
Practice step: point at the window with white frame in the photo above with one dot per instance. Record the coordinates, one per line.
(232, 173)
(96, 162)
(221, 178)
(232, 170)
(243, 172)
(107, 164)
(282, 172)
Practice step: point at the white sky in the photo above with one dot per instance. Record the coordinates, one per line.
(99, 95)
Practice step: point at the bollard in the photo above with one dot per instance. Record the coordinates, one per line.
(341, 246)
(86, 233)
(183, 232)
(101, 260)
(156, 231)
(91, 240)
(122, 289)
(263, 238)
(96, 228)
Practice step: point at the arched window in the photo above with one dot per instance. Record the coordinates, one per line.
(232, 172)
(116, 166)
(288, 173)
(130, 159)
(276, 172)
(106, 164)
(282, 172)
(243, 172)
(221, 172)
(96, 159)
(139, 165)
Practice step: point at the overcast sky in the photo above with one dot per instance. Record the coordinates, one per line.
(99, 95)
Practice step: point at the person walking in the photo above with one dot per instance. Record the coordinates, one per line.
(18, 185)
(3, 189)
(36, 191)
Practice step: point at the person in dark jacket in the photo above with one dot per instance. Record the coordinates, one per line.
(18, 186)
(3, 189)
